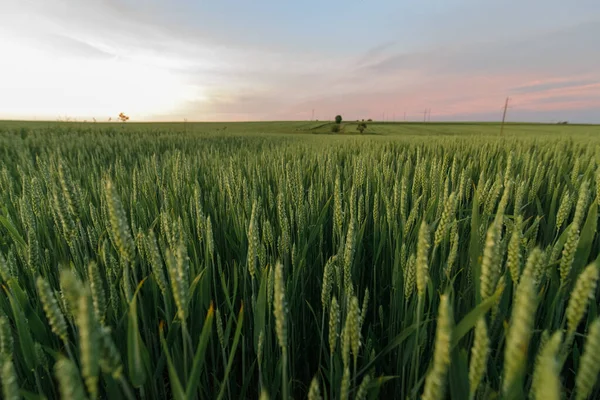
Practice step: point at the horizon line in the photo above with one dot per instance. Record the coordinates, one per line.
(449, 122)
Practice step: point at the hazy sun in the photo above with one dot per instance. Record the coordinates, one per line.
(35, 85)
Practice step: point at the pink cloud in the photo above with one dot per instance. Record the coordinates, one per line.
(449, 96)
(573, 97)
(460, 95)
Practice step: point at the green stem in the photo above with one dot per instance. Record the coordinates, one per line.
(354, 375)
(284, 373)
(126, 389)
(322, 349)
(37, 382)
(331, 376)
(69, 353)
(416, 355)
(187, 347)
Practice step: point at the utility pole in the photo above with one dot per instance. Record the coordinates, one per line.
(425, 115)
(504, 116)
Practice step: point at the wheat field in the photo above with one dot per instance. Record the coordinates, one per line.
(224, 261)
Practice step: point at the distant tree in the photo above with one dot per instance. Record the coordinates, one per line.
(361, 127)
(369, 120)
(123, 117)
(338, 119)
(335, 128)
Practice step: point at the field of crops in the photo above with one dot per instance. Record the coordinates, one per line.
(225, 261)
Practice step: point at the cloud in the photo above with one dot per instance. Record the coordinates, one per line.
(374, 53)
(557, 83)
(556, 93)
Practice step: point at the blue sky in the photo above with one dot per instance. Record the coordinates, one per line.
(262, 60)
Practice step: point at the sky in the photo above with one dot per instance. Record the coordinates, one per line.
(225, 60)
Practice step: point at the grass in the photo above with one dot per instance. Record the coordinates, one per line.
(202, 260)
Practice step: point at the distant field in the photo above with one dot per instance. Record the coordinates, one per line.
(278, 260)
(319, 127)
